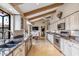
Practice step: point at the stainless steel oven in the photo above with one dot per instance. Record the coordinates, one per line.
(57, 41)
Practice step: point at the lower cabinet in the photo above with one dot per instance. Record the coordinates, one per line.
(26, 48)
(28, 45)
(62, 44)
(23, 49)
(69, 48)
(75, 50)
(51, 38)
(16, 52)
(20, 51)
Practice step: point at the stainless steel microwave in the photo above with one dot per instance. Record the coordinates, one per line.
(61, 26)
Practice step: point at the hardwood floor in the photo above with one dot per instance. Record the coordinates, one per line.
(43, 48)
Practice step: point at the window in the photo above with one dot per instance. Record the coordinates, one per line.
(4, 24)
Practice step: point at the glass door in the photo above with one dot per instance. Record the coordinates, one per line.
(4, 25)
(0, 27)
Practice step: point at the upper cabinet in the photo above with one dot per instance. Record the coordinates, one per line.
(67, 23)
(72, 22)
(69, 16)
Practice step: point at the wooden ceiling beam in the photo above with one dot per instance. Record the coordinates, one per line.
(43, 9)
(42, 15)
(16, 7)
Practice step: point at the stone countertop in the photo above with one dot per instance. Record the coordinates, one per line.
(7, 51)
(71, 39)
(61, 35)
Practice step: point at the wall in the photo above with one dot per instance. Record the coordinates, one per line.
(67, 9)
(17, 22)
(39, 24)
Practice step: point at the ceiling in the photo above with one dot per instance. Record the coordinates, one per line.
(32, 11)
(8, 8)
(26, 7)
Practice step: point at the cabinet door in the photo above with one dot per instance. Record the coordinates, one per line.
(50, 38)
(74, 21)
(75, 51)
(16, 52)
(29, 43)
(67, 23)
(62, 44)
(26, 48)
(67, 48)
(22, 49)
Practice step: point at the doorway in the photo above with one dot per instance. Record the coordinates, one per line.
(42, 31)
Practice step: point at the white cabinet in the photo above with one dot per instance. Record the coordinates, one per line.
(67, 48)
(50, 38)
(72, 22)
(62, 44)
(67, 23)
(75, 50)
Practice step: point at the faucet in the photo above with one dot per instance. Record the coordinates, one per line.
(5, 33)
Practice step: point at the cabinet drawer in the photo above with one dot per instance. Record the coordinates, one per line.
(16, 52)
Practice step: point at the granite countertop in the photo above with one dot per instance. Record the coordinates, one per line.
(7, 51)
(71, 39)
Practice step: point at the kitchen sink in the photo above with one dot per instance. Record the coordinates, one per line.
(13, 42)
(7, 46)
(10, 44)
